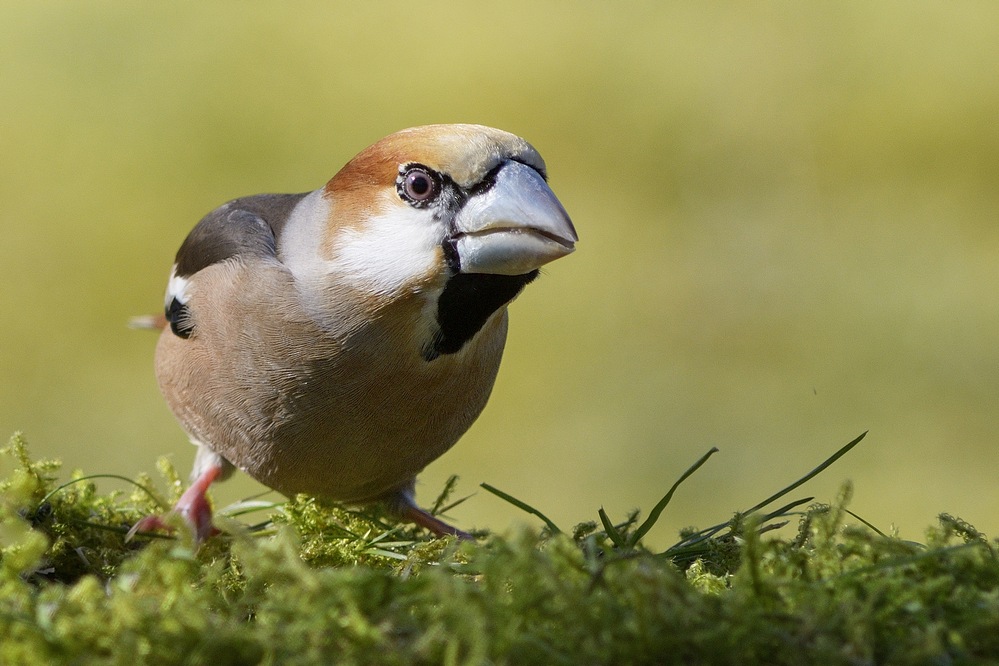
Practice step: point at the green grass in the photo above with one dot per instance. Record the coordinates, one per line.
(321, 584)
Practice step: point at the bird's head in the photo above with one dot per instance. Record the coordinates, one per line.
(462, 214)
(474, 196)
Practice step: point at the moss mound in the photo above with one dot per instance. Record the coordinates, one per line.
(316, 584)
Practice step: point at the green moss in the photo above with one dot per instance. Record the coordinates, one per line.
(320, 584)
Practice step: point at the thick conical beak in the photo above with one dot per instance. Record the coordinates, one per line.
(514, 227)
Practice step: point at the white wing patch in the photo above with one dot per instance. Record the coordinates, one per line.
(176, 288)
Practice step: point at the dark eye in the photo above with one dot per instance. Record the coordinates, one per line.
(418, 185)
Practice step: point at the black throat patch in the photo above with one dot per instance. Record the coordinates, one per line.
(466, 303)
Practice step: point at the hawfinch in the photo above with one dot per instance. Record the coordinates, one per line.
(335, 342)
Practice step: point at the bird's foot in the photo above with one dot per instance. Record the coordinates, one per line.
(424, 518)
(193, 506)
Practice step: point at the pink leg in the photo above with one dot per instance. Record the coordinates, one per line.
(192, 505)
(423, 518)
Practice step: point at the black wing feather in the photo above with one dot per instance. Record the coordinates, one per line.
(246, 227)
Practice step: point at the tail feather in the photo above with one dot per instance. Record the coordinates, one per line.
(149, 322)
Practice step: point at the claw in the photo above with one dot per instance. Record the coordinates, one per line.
(193, 506)
(414, 514)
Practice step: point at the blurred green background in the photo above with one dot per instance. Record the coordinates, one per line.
(788, 219)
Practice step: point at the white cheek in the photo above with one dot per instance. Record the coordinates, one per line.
(391, 251)
(176, 288)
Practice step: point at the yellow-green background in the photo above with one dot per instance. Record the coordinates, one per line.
(787, 211)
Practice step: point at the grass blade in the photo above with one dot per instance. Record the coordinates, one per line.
(458, 502)
(449, 486)
(818, 470)
(869, 525)
(90, 477)
(611, 531)
(778, 513)
(649, 522)
(702, 535)
(522, 506)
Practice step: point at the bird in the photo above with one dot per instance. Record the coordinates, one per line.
(333, 343)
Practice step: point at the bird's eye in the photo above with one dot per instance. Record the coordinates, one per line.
(418, 185)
